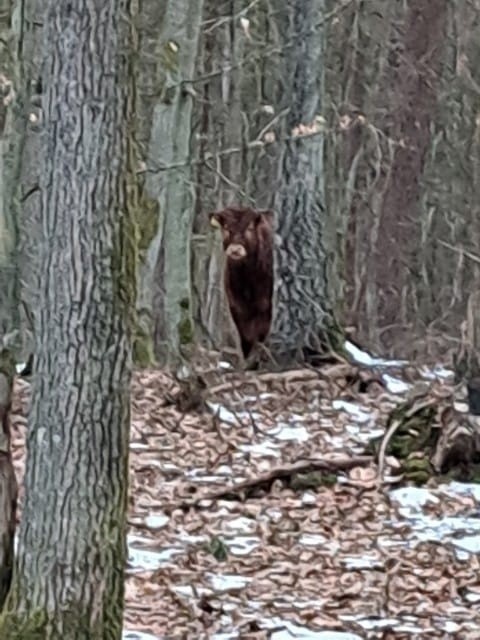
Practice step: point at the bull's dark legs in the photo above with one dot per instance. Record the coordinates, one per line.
(247, 346)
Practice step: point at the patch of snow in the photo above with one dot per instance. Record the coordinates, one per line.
(170, 467)
(285, 431)
(189, 592)
(362, 562)
(263, 396)
(463, 489)
(312, 539)
(241, 524)
(470, 544)
(261, 449)
(411, 499)
(435, 373)
(189, 538)
(273, 514)
(372, 624)
(289, 631)
(365, 358)
(138, 635)
(139, 446)
(376, 623)
(429, 529)
(228, 582)
(374, 433)
(224, 414)
(450, 627)
(241, 545)
(309, 498)
(156, 521)
(394, 385)
(143, 560)
(225, 470)
(472, 597)
(304, 604)
(200, 475)
(360, 415)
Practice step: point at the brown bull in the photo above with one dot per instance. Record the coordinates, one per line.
(248, 245)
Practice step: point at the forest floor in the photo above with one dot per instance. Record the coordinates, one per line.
(225, 542)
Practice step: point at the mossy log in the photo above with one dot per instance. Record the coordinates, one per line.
(431, 436)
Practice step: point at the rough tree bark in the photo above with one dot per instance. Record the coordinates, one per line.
(260, 77)
(28, 23)
(304, 316)
(165, 281)
(68, 581)
(8, 292)
(219, 173)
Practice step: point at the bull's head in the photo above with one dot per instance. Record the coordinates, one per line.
(239, 230)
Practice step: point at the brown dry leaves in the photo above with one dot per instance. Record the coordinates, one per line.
(323, 558)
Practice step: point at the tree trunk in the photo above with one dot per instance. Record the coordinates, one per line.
(165, 281)
(411, 90)
(402, 166)
(220, 173)
(304, 316)
(9, 324)
(260, 74)
(28, 21)
(77, 450)
(8, 483)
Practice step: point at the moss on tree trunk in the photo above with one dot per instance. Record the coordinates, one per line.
(68, 581)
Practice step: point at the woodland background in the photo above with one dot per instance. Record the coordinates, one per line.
(396, 144)
(357, 121)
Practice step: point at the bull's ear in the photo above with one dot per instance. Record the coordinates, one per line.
(216, 219)
(267, 215)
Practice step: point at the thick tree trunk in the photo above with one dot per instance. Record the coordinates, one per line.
(304, 317)
(8, 292)
(68, 581)
(260, 74)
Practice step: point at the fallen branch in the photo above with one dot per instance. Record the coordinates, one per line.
(333, 465)
(291, 376)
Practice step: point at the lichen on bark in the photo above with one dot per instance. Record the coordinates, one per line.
(77, 446)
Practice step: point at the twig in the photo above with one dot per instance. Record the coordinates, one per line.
(462, 251)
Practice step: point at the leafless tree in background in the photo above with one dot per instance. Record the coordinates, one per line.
(259, 140)
(402, 164)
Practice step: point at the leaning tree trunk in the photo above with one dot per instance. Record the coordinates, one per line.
(304, 317)
(165, 282)
(77, 449)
